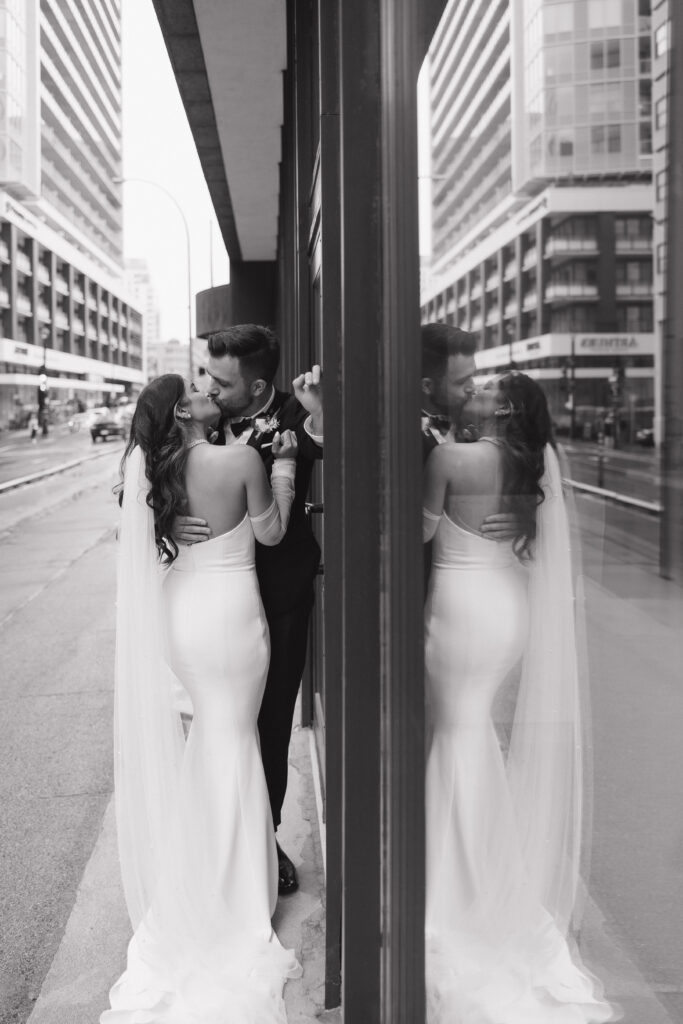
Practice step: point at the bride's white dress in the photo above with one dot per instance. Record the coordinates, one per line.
(494, 954)
(205, 951)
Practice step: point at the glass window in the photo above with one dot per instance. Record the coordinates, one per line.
(614, 138)
(645, 134)
(604, 14)
(660, 186)
(645, 97)
(597, 56)
(645, 55)
(598, 139)
(660, 113)
(661, 258)
(662, 39)
(613, 53)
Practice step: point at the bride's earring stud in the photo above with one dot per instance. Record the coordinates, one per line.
(504, 412)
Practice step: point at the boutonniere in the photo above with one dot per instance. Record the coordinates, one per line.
(266, 424)
(425, 424)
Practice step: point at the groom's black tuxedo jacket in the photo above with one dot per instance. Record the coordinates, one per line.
(286, 570)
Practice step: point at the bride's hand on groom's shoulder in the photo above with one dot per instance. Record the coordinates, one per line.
(285, 445)
(190, 530)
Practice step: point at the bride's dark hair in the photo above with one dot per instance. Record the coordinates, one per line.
(525, 425)
(160, 436)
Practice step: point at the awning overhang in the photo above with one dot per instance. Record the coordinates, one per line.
(228, 57)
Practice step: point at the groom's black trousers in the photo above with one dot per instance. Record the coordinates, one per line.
(288, 639)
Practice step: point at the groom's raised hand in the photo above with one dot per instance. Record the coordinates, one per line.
(190, 530)
(308, 389)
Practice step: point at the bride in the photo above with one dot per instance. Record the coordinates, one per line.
(503, 834)
(196, 844)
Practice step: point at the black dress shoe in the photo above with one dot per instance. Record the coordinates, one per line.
(287, 880)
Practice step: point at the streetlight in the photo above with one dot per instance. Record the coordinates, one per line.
(155, 184)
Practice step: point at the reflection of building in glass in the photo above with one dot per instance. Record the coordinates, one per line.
(142, 293)
(61, 291)
(174, 357)
(541, 128)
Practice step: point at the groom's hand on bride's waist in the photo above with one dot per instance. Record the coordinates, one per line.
(190, 530)
(501, 526)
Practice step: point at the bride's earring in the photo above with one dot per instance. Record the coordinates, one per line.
(504, 412)
(181, 414)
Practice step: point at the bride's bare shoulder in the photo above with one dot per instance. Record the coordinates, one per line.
(473, 465)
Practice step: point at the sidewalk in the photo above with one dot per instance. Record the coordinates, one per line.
(93, 949)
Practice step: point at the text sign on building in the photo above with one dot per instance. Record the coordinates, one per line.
(612, 343)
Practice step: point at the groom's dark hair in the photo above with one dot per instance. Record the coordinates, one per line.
(439, 341)
(256, 347)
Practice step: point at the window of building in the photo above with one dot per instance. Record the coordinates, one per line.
(613, 53)
(605, 14)
(614, 138)
(645, 55)
(597, 56)
(662, 39)
(661, 258)
(644, 8)
(660, 186)
(558, 20)
(645, 97)
(635, 318)
(660, 113)
(598, 135)
(645, 135)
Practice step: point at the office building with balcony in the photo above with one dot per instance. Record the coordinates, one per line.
(541, 170)
(63, 300)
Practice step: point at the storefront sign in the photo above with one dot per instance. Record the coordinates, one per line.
(599, 343)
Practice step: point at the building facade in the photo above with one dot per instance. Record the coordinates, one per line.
(142, 293)
(62, 296)
(541, 168)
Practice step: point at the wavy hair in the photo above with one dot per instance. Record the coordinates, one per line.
(525, 427)
(156, 430)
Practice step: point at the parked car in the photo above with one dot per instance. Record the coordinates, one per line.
(108, 424)
(646, 437)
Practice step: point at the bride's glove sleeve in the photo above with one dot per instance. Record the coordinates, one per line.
(270, 526)
(430, 521)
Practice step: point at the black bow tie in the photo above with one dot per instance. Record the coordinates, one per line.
(440, 423)
(239, 426)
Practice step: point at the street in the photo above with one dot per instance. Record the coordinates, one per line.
(57, 621)
(57, 553)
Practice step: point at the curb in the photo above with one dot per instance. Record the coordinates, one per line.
(19, 481)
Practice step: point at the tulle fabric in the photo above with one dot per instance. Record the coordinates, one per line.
(504, 833)
(196, 843)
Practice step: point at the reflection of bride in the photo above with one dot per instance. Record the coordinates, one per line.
(195, 832)
(503, 835)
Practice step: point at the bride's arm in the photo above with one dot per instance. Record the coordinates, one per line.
(269, 506)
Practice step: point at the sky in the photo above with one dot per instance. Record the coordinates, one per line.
(158, 146)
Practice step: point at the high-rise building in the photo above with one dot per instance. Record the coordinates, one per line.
(541, 170)
(62, 297)
(143, 295)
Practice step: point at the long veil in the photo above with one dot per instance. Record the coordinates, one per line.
(148, 734)
(544, 764)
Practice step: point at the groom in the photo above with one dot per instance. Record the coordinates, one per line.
(448, 369)
(243, 361)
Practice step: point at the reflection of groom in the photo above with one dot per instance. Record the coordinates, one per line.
(243, 361)
(448, 369)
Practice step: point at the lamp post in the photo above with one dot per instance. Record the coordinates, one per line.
(155, 184)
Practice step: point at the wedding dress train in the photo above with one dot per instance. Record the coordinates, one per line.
(203, 951)
(495, 955)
